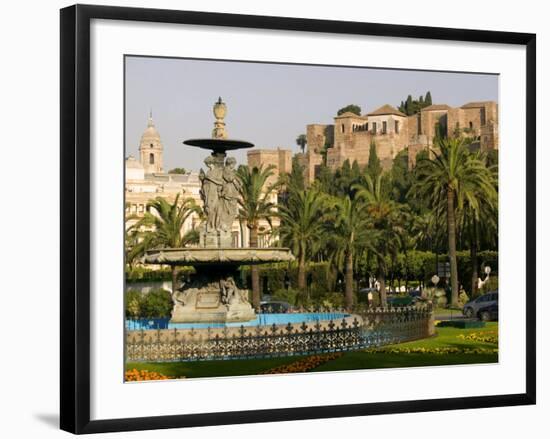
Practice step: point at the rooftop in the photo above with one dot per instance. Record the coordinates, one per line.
(436, 107)
(387, 109)
(349, 114)
(476, 104)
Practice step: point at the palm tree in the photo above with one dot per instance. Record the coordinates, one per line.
(255, 206)
(480, 217)
(166, 226)
(349, 233)
(301, 141)
(136, 243)
(450, 177)
(388, 220)
(302, 225)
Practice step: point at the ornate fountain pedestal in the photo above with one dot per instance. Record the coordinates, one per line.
(212, 295)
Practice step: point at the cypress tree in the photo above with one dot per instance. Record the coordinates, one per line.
(374, 168)
(428, 99)
(409, 106)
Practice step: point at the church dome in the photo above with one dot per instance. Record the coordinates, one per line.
(150, 135)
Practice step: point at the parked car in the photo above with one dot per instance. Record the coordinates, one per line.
(275, 307)
(415, 293)
(488, 313)
(471, 308)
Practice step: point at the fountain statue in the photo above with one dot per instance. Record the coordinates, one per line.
(212, 295)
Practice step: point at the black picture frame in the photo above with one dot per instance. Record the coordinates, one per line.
(75, 217)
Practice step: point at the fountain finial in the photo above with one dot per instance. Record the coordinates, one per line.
(220, 109)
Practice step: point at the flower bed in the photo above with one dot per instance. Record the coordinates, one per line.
(304, 365)
(145, 375)
(484, 337)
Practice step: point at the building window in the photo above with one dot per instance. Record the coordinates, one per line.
(367, 126)
(482, 117)
(151, 159)
(343, 128)
(471, 125)
(384, 127)
(374, 127)
(151, 145)
(396, 127)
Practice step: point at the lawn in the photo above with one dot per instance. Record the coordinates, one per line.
(388, 356)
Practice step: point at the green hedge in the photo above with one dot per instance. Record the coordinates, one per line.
(415, 267)
(319, 277)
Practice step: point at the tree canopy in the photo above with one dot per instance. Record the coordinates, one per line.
(412, 106)
(351, 108)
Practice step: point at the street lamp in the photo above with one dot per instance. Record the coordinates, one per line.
(435, 279)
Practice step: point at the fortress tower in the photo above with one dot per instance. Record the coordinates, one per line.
(150, 148)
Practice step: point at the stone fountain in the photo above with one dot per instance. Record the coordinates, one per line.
(213, 294)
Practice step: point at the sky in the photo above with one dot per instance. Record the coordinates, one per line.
(268, 104)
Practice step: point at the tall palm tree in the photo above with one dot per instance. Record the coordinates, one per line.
(302, 225)
(480, 217)
(451, 176)
(388, 219)
(350, 233)
(166, 226)
(254, 206)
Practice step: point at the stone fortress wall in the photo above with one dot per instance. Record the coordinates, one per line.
(350, 136)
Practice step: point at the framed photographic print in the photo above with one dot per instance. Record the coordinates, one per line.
(312, 208)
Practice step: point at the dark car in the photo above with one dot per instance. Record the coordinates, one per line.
(415, 293)
(274, 307)
(489, 313)
(472, 308)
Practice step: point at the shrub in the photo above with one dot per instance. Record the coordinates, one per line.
(463, 298)
(318, 273)
(134, 300)
(333, 300)
(491, 285)
(156, 304)
(289, 295)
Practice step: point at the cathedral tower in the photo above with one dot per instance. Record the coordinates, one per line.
(150, 148)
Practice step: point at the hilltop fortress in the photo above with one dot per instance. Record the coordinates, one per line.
(350, 136)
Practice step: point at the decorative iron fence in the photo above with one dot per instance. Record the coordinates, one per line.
(365, 330)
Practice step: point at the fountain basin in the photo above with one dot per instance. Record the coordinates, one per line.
(219, 145)
(264, 320)
(215, 256)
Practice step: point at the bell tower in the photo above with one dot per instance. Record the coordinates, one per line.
(150, 148)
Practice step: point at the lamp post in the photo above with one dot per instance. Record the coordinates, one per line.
(435, 280)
